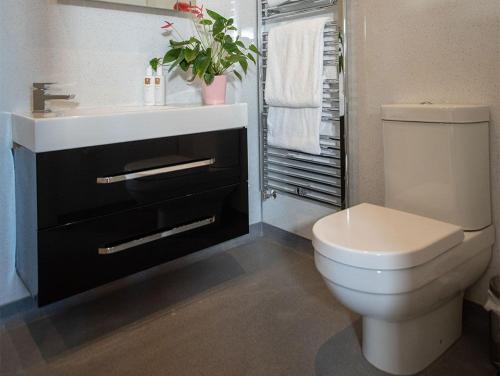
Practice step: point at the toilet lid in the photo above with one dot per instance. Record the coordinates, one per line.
(373, 237)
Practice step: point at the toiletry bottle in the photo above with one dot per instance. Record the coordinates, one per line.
(149, 87)
(159, 87)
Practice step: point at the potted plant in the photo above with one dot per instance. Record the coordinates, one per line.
(211, 54)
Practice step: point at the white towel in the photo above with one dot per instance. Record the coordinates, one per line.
(289, 128)
(295, 64)
(294, 84)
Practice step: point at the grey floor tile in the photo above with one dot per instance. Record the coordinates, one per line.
(257, 309)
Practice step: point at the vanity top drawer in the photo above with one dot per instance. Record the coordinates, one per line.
(81, 256)
(78, 184)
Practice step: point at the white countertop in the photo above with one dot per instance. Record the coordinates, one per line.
(85, 127)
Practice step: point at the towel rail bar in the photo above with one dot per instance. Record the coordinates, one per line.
(330, 108)
(306, 193)
(328, 27)
(328, 180)
(288, 154)
(293, 9)
(316, 178)
(290, 180)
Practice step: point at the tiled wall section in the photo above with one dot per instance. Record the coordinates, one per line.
(405, 51)
(100, 50)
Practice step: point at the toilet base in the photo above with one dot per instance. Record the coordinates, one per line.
(407, 347)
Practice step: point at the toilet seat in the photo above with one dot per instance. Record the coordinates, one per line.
(373, 237)
(378, 250)
(401, 281)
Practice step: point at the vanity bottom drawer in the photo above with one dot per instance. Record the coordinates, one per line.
(81, 256)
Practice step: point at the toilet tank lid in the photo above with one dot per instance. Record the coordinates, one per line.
(436, 113)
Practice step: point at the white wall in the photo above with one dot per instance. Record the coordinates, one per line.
(101, 51)
(294, 215)
(407, 51)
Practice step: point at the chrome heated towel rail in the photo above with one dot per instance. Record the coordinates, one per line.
(321, 178)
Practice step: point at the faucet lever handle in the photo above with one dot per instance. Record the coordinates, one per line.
(42, 85)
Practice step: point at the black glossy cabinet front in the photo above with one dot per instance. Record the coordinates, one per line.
(89, 234)
(68, 190)
(70, 261)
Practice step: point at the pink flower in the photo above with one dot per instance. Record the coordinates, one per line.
(182, 6)
(167, 25)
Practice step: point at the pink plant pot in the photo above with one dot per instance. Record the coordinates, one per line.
(216, 92)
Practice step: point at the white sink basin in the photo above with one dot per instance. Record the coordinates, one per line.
(101, 111)
(84, 127)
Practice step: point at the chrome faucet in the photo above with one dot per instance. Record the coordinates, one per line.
(40, 96)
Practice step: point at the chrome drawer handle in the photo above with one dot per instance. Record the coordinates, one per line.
(156, 171)
(152, 238)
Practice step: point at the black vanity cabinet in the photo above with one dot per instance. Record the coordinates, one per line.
(92, 215)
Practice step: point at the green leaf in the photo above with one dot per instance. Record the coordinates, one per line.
(194, 40)
(244, 64)
(197, 63)
(229, 22)
(231, 47)
(177, 61)
(190, 55)
(208, 78)
(232, 28)
(154, 63)
(171, 55)
(237, 74)
(250, 56)
(202, 62)
(254, 49)
(174, 43)
(204, 65)
(218, 27)
(219, 38)
(184, 65)
(216, 16)
(226, 63)
(241, 44)
(234, 58)
(206, 22)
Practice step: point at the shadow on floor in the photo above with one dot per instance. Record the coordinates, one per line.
(75, 326)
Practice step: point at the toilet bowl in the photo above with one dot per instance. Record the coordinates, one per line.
(404, 267)
(405, 275)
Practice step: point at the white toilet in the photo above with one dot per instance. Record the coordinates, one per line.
(404, 267)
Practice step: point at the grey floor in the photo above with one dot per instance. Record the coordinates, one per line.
(256, 309)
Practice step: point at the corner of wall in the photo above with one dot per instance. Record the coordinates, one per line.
(11, 287)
